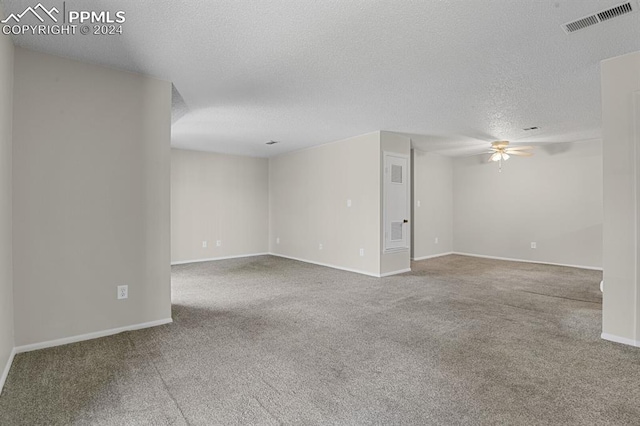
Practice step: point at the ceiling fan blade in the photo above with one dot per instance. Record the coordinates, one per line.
(520, 153)
(517, 147)
(476, 154)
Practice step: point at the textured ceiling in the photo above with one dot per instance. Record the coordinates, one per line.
(448, 73)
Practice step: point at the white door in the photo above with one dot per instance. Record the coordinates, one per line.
(396, 202)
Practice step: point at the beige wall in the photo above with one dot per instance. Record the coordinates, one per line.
(401, 260)
(216, 197)
(91, 198)
(6, 280)
(621, 134)
(553, 198)
(432, 204)
(308, 193)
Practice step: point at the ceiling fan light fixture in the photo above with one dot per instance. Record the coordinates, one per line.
(500, 151)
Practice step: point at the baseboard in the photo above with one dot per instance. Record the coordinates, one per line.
(184, 262)
(89, 336)
(7, 367)
(510, 259)
(431, 256)
(618, 339)
(357, 271)
(401, 271)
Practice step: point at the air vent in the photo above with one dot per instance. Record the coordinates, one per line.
(581, 23)
(615, 11)
(596, 18)
(396, 231)
(396, 173)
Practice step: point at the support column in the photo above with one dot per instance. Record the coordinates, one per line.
(621, 169)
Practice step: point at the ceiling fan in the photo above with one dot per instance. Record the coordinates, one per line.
(500, 151)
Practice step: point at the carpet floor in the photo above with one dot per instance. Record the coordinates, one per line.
(265, 340)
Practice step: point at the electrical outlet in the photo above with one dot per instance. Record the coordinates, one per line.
(348, 203)
(361, 252)
(534, 245)
(219, 243)
(204, 244)
(436, 240)
(123, 292)
(320, 246)
(418, 203)
(278, 240)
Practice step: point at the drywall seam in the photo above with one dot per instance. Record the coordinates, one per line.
(431, 256)
(5, 372)
(357, 271)
(622, 340)
(184, 262)
(593, 268)
(89, 336)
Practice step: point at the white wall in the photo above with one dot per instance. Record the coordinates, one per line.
(432, 204)
(91, 198)
(6, 279)
(218, 197)
(553, 198)
(621, 133)
(308, 193)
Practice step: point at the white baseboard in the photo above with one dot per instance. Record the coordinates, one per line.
(618, 339)
(431, 256)
(510, 259)
(401, 271)
(183, 262)
(89, 336)
(7, 367)
(357, 271)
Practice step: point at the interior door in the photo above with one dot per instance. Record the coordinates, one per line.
(396, 202)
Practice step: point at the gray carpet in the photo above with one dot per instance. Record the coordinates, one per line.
(273, 341)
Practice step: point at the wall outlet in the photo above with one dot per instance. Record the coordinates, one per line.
(219, 243)
(348, 203)
(534, 245)
(123, 292)
(278, 240)
(204, 244)
(436, 241)
(361, 252)
(320, 246)
(418, 203)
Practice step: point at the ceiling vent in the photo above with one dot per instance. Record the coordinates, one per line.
(596, 18)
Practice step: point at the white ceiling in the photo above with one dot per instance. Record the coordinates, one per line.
(449, 73)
